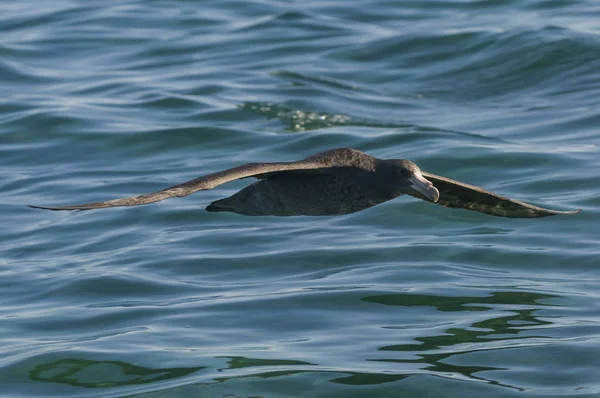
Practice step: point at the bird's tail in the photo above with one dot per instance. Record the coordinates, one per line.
(218, 205)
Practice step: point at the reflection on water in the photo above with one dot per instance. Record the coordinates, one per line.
(296, 120)
(353, 378)
(241, 362)
(494, 326)
(365, 379)
(451, 343)
(442, 303)
(503, 328)
(98, 374)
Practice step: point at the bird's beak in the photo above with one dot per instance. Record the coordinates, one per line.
(424, 187)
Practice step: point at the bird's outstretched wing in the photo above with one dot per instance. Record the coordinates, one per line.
(209, 181)
(341, 157)
(460, 195)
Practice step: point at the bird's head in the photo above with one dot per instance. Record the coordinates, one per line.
(408, 178)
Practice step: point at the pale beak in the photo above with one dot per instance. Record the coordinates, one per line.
(424, 187)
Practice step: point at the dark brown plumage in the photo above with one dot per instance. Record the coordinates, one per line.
(338, 181)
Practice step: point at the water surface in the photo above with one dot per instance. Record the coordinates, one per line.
(404, 299)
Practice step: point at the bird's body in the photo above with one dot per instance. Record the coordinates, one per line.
(343, 190)
(334, 182)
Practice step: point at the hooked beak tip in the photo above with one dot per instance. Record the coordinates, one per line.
(425, 187)
(435, 194)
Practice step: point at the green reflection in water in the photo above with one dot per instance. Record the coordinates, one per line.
(241, 362)
(493, 329)
(352, 378)
(459, 303)
(296, 119)
(101, 374)
(364, 379)
(495, 326)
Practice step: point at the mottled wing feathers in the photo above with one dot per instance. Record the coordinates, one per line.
(187, 188)
(460, 195)
(332, 158)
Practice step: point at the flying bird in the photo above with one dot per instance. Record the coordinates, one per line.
(334, 182)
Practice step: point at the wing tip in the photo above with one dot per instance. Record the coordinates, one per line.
(53, 208)
(547, 212)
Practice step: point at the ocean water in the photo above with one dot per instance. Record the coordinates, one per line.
(102, 100)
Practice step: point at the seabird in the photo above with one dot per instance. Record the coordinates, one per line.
(334, 182)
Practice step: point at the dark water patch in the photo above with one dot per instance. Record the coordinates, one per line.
(460, 303)
(297, 78)
(301, 120)
(88, 373)
(297, 120)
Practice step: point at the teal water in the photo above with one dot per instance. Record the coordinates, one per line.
(406, 299)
